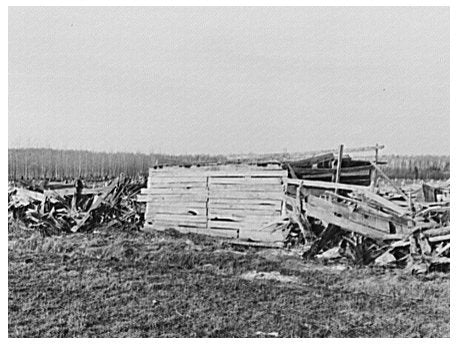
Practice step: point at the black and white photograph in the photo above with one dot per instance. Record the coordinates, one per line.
(198, 171)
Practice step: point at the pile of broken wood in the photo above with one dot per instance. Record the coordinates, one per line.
(51, 212)
(340, 221)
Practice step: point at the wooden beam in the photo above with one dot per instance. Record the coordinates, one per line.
(436, 232)
(386, 204)
(327, 185)
(328, 217)
(339, 167)
(439, 238)
(291, 171)
(356, 215)
(391, 182)
(347, 150)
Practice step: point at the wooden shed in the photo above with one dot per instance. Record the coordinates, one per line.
(233, 201)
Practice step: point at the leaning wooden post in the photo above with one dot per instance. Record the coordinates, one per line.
(339, 166)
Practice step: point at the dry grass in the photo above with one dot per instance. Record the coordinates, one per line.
(126, 284)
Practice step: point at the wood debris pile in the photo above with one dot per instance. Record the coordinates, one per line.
(395, 226)
(51, 211)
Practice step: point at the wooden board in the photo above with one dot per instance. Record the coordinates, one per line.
(174, 198)
(353, 214)
(177, 191)
(244, 203)
(243, 214)
(245, 188)
(71, 191)
(175, 179)
(178, 204)
(221, 233)
(244, 181)
(245, 195)
(193, 185)
(223, 224)
(245, 209)
(222, 174)
(152, 212)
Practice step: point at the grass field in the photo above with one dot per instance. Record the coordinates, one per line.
(113, 283)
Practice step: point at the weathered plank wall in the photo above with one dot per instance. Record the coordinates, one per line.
(226, 201)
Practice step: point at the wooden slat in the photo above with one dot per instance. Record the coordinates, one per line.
(241, 208)
(248, 188)
(173, 198)
(244, 207)
(173, 223)
(176, 191)
(221, 233)
(326, 185)
(215, 224)
(153, 212)
(245, 195)
(171, 206)
(194, 185)
(176, 224)
(244, 181)
(437, 231)
(243, 213)
(71, 191)
(177, 196)
(222, 174)
(175, 206)
(439, 238)
(251, 222)
(245, 202)
(178, 179)
(346, 150)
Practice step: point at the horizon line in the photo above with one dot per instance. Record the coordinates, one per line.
(313, 152)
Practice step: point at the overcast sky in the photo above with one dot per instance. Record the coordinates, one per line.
(229, 80)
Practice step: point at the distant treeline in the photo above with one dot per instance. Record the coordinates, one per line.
(37, 163)
(53, 164)
(417, 167)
